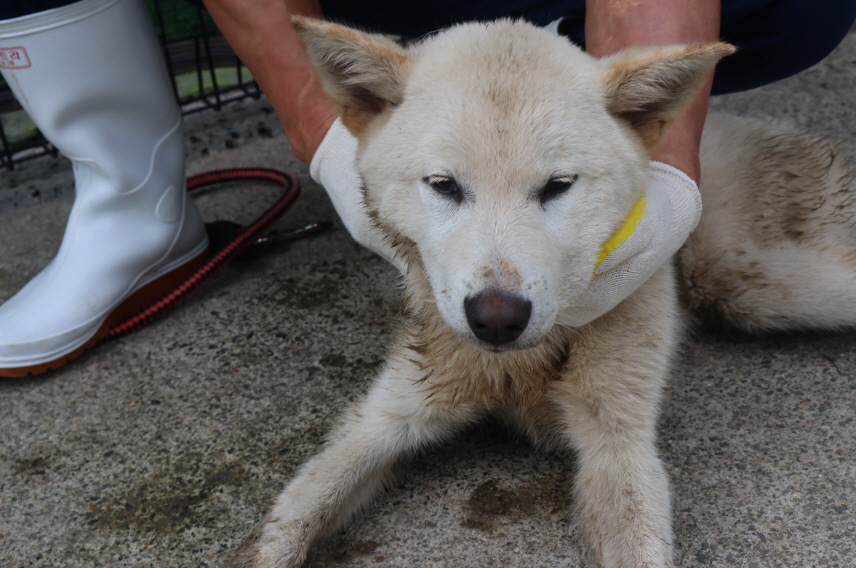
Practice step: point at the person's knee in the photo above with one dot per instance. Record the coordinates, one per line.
(778, 39)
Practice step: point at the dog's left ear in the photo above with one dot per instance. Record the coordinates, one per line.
(649, 86)
(362, 73)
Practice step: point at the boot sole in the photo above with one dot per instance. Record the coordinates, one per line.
(133, 304)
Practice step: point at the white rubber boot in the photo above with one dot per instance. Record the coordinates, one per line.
(92, 78)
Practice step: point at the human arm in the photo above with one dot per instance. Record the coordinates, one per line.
(614, 25)
(261, 33)
(282, 70)
(672, 201)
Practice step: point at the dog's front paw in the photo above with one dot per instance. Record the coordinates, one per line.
(271, 545)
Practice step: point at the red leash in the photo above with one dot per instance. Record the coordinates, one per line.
(241, 239)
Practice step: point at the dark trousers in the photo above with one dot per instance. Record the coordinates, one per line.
(775, 38)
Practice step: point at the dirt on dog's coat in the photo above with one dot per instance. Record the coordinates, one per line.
(497, 158)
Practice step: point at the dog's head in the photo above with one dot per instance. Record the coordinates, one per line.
(499, 157)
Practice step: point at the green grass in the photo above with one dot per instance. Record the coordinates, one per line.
(188, 85)
(18, 127)
(181, 19)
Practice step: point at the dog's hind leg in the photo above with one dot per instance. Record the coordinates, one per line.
(393, 420)
(607, 405)
(776, 245)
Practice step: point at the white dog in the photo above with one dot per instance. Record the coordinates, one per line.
(497, 160)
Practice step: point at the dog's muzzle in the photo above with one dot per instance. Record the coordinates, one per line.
(497, 317)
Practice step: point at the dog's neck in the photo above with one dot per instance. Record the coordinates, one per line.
(458, 372)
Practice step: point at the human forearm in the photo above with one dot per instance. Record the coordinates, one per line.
(614, 25)
(261, 33)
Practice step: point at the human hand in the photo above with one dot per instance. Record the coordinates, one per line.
(655, 229)
(334, 167)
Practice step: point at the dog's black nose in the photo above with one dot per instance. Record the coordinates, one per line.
(497, 317)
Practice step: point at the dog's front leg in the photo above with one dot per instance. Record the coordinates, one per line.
(394, 419)
(621, 490)
(608, 405)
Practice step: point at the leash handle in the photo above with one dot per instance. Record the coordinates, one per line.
(243, 237)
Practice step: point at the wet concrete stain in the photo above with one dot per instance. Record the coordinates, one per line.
(167, 500)
(185, 493)
(489, 503)
(35, 466)
(357, 367)
(315, 290)
(341, 551)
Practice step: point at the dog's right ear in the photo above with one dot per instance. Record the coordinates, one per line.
(362, 73)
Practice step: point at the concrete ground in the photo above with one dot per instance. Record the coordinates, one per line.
(166, 447)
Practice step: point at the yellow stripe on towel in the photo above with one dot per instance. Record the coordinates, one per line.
(621, 235)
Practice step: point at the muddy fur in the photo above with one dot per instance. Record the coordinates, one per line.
(774, 250)
(503, 110)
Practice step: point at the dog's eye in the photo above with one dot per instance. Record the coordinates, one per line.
(556, 187)
(445, 186)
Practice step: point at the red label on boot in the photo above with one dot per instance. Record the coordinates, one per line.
(14, 58)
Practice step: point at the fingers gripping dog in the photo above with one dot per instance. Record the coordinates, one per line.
(496, 160)
(654, 230)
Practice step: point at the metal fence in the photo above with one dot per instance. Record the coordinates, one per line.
(205, 73)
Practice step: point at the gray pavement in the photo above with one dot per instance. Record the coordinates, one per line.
(166, 447)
